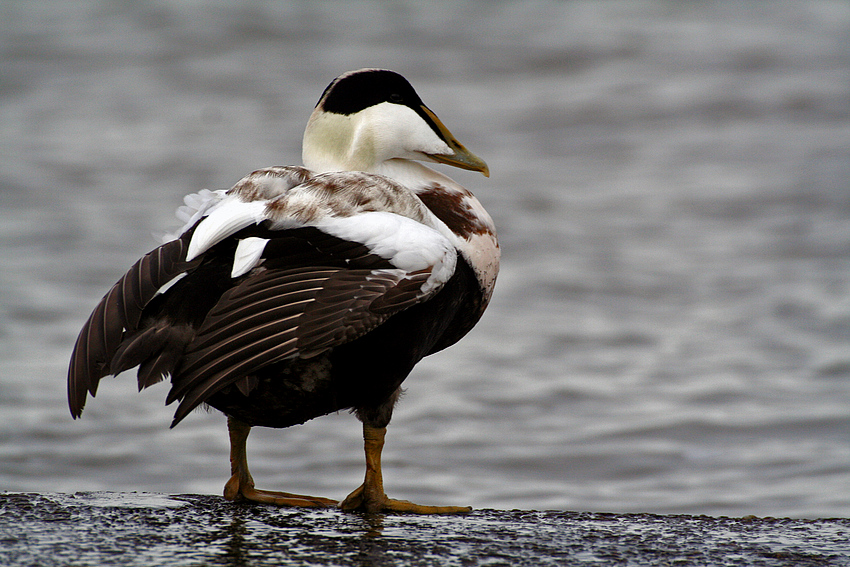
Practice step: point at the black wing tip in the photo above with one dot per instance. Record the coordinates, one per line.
(76, 398)
(77, 401)
(180, 415)
(183, 409)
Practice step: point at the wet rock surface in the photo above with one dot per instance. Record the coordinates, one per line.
(97, 528)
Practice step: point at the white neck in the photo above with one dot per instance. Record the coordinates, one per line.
(365, 140)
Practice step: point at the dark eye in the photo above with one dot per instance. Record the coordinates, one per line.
(396, 98)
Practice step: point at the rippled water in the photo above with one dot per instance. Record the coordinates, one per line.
(670, 330)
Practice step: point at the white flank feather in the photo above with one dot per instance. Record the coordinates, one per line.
(170, 283)
(406, 243)
(247, 256)
(195, 206)
(232, 215)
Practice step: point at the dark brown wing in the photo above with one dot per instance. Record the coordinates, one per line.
(313, 292)
(276, 315)
(118, 312)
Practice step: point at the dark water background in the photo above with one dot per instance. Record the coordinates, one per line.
(671, 181)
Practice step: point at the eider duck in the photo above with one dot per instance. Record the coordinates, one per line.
(303, 291)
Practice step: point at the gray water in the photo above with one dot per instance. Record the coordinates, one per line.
(670, 329)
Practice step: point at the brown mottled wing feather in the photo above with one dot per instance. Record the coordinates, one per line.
(275, 315)
(119, 311)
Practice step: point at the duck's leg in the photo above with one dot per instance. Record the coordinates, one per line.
(370, 496)
(241, 485)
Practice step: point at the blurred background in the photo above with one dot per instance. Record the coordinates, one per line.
(671, 326)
